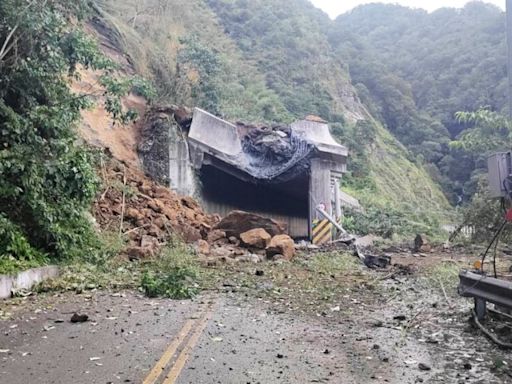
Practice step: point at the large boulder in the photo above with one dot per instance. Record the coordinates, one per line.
(281, 245)
(238, 222)
(256, 238)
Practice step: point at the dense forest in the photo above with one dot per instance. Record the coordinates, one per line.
(414, 70)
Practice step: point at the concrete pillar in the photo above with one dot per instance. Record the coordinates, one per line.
(320, 192)
(320, 187)
(181, 176)
(337, 202)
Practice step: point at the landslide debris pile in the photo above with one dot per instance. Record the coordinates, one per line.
(147, 213)
(151, 215)
(246, 237)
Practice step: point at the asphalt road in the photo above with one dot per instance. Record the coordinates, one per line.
(222, 339)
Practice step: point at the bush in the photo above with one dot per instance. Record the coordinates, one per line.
(174, 275)
(388, 222)
(375, 221)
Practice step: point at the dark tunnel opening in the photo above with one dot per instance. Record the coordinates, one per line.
(286, 202)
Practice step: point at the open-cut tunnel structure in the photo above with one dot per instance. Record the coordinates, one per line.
(281, 172)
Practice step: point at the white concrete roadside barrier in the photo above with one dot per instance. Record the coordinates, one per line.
(25, 280)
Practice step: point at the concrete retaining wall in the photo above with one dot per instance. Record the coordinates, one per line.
(25, 280)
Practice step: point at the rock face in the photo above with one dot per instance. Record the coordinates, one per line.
(162, 140)
(238, 222)
(256, 238)
(281, 245)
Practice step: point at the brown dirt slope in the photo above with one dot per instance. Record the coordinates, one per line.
(147, 214)
(98, 128)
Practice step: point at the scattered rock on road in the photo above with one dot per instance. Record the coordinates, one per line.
(79, 318)
(421, 244)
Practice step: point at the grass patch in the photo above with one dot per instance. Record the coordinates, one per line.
(12, 266)
(334, 263)
(443, 275)
(175, 274)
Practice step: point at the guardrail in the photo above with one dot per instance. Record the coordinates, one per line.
(485, 289)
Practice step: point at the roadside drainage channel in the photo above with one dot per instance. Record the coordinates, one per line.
(25, 280)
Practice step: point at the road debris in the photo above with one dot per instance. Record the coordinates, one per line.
(79, 318)
(372, 261)
(421, 244)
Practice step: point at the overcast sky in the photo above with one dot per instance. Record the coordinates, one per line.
(337, 7)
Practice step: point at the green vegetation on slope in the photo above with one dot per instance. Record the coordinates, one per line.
(47, 181)
(415, 70)
(288, 43)
(399, 196)
(180, 46)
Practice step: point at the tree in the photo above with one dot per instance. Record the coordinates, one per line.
(47, 181)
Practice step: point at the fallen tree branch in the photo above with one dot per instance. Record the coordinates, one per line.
(124, 201)
(489, 335)
(104, 194)
(136, 229)
(444, 293)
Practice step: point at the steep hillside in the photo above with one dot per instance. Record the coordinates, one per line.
(269, 61)
(415, 70)
(288, 43)
(181, 47)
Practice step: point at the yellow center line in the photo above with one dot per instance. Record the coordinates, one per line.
(185, 353)
(169, 353)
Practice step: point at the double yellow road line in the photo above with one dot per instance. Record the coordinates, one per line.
(191, 330)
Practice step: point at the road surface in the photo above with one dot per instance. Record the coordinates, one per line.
(217, 339)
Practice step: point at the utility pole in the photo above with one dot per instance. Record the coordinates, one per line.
(509, 43)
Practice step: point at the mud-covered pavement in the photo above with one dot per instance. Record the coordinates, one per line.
(268, 323)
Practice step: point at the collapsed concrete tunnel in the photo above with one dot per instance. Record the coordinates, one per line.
(281, 172)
